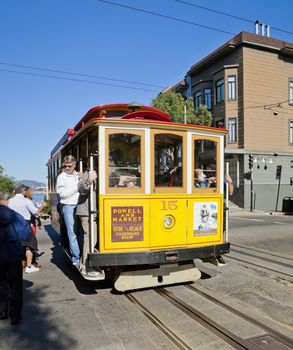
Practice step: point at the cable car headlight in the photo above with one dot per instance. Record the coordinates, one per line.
(169, 221)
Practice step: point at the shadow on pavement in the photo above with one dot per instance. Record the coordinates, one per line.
(60, 259)
(37, 329)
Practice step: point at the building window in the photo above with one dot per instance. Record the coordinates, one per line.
(197, 99)
(291, 132)
(232, 87)
(220, 91)
(232, 135)
(208, 98)
(291, 92)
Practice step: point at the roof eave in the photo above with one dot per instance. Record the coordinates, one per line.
(213, 57)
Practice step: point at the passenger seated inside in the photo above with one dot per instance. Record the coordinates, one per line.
(176, 177)
(211, 175)
(114, 178)
(200, 179)
(127, 181)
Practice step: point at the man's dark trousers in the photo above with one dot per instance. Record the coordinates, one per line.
(11, 287)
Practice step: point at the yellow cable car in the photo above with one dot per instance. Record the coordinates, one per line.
(159, 193)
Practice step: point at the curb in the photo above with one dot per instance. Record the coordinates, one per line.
(254, 213)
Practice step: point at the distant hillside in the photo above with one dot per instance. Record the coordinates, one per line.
(32, 183)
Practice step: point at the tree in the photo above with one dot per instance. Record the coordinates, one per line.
(175, 104)
(203, 116)
(6, 183)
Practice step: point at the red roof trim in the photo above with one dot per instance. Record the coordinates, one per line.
(148, 115)
(93, 112)
(172, 123)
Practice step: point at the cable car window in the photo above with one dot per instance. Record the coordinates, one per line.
(168, 160)
(115, 114)
(124, 160)
(93, 141)
(205, 163)
(83, 151)
(75, 150)
(93, 146)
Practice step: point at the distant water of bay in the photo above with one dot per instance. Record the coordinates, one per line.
(38, 197)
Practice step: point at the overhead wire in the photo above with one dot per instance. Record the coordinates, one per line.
(121, 80)
(77, 80)
(164, 16)
(266, 106)
(229, 15)
(79, 74)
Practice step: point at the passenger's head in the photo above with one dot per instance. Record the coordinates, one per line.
(4, 197)
(28, 193)
(199, 174)
(211, 170)
(69, 163)
(19, 189)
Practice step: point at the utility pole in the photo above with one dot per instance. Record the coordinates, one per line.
(185, 114)
(250, 163)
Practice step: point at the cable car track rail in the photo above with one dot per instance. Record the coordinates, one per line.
(277, 335)
(208, 323)
(159, 324)
(261, 266)
(261, 251)
(270, 337)
(290, 266)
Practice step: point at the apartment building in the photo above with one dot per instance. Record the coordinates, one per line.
(247, 84)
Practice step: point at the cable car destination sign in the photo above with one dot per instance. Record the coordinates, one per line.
(127, 224)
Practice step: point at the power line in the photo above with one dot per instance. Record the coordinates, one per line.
(268, 106)
(215, 11)
(77, 80)
(79, 74)
(165, 16)
(229, 15)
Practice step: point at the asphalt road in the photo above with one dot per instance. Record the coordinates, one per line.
(271, 232)
(63, 311)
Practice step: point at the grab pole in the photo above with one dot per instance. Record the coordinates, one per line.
(227, 202)
(91, 210)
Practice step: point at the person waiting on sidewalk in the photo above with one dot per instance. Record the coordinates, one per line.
(13, 230)
(26, 208)
(35, 222)
(66, 188)
(82, 211)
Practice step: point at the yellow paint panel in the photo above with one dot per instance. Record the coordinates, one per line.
(125, 224)
(205, 224)
(169, 209)
(138, 223)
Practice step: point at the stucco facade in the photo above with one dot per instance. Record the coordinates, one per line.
(251, 82)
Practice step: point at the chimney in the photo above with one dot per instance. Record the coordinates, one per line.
(262, 29)
(268, 30)
(256, 25)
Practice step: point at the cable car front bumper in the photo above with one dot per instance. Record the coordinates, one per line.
(154, 257)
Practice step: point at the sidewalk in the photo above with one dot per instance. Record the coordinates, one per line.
(234, 210)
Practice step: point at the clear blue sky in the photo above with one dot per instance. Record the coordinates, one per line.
(95, 38)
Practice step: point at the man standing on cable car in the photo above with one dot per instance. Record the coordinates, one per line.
(83, 211)
(66, 187)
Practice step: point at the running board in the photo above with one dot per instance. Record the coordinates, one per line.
(164, 275)
(101, 277)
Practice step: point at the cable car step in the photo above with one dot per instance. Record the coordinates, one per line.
(164, 275)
